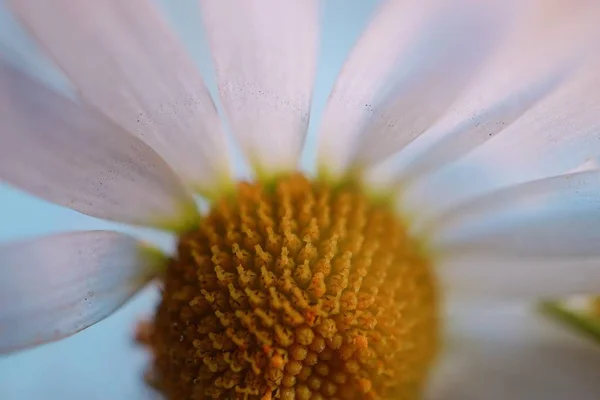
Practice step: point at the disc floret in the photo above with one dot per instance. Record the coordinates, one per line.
(296, 290)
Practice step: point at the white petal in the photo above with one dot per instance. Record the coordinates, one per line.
(480, 127)
(505, 277)
(509, 352)
(55, 149)
(265, 56)
(400, 172)
(551, 40)
(124, 60)
(536, 239)
(558, 134)
(408, 67)
(554, 216)
(591, 164)
(55, 286)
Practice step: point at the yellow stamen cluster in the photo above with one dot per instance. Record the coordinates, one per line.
(296, 290)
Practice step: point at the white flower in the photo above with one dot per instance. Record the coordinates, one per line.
(470, 130)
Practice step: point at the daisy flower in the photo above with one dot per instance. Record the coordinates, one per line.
(455, 171)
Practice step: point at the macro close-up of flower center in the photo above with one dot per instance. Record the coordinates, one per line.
(297, 290)
(299, 199)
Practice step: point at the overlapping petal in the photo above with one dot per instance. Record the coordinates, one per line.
(71, 155)
(123, 59)
(265, 56)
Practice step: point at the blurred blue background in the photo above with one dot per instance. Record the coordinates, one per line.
(102, 362)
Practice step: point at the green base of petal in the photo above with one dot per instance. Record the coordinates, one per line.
(187, 219)
(223, 186)
(578, 321)
(154, 260)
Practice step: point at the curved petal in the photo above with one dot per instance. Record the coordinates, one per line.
(399, 173)
(556, 217)
(55, 149)
(265, 56)
(408, 67)
(535, 239)
(556, 135)
(125, 61)
(474, 131)
(510, 352)
(55, 286)
(547, 45)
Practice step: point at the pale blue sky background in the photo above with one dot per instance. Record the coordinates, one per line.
(101, 363)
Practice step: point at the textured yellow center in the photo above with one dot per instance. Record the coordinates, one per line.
(296, 290)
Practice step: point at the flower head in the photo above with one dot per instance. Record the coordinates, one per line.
(299, 290)
(455, 161)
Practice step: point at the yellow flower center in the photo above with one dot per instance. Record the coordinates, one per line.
(296, 290)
